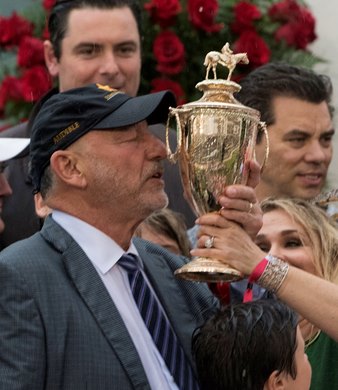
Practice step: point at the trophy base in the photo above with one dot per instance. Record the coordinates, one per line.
(204, 269)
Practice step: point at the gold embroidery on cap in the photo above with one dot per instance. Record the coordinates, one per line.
(110, 95)
(65, 132)
(105, 87)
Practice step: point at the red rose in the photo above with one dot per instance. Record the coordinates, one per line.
(161, 84)
(251, 43)
(299, 30)
(13, 29)
(30, 52)
(163, 12)
(284, 11)
(306, 29)
(298, 33)
(169, 53)
(245, 13)
(36, 81)
(10, 89)
(202, 15)
(48, 4)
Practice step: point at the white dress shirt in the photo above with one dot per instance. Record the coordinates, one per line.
(104, 253)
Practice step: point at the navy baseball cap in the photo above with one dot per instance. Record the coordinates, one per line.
(67, 116)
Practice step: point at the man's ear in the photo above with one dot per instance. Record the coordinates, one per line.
(67, 167)
(276, 381)
(51, 61)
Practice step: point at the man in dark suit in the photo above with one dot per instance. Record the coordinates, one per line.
(87, 44)
(68, 317)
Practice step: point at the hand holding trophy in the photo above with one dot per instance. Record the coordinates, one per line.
(216, 136)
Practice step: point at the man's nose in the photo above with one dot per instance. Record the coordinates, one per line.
(109, 65)
(156, 148)
(316, 152)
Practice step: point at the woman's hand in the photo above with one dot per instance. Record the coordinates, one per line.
(231, 244)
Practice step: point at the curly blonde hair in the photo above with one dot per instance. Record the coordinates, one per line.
(320, 229)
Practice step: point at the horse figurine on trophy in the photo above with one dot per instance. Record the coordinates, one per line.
(226, 58)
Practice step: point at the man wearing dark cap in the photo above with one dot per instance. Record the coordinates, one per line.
(82, 306)
(91, 41)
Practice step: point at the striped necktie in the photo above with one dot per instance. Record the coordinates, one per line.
(158, 325)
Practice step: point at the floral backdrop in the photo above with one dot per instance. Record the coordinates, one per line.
(177, 35)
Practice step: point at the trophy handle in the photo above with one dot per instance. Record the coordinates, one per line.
(174, 112)
(263, 126)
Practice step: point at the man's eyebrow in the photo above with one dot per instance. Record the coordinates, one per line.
(307, 134)
(329, 132)
(297, 132)
(82, 45)
(129, 43)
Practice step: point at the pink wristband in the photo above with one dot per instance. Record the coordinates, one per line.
(254, 276)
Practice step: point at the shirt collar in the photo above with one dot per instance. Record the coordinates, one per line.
(102, 250)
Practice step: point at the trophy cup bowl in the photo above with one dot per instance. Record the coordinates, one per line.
(215, 135)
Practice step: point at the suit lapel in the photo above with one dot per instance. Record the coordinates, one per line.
(93, 292)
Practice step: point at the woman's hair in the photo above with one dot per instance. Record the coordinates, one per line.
(243, 344)
(171, 224)
(321, 231)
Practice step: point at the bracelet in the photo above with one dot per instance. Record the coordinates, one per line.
(254, 276)
(274, 274)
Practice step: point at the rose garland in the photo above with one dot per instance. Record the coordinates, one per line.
(180, 33)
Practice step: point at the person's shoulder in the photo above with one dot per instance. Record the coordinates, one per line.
(17, 131)
(21, 250)
(33, 264)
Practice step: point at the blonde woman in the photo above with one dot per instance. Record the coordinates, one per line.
(303, 250)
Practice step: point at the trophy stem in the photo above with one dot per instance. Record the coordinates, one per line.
(204, 269)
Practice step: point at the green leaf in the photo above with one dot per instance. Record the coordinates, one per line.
(36, 14)
(8, 64)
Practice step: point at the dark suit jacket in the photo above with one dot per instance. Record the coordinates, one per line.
(59, 328)
(19, 211)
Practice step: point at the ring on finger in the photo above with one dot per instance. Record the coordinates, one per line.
(250, 207)
(209, 243)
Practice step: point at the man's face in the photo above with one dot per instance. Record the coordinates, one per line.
(100, 46)
(124, 172)
(300, 149)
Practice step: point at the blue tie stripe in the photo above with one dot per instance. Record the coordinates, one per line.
(158, 325)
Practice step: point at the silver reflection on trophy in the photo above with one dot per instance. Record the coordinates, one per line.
(216, 135)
